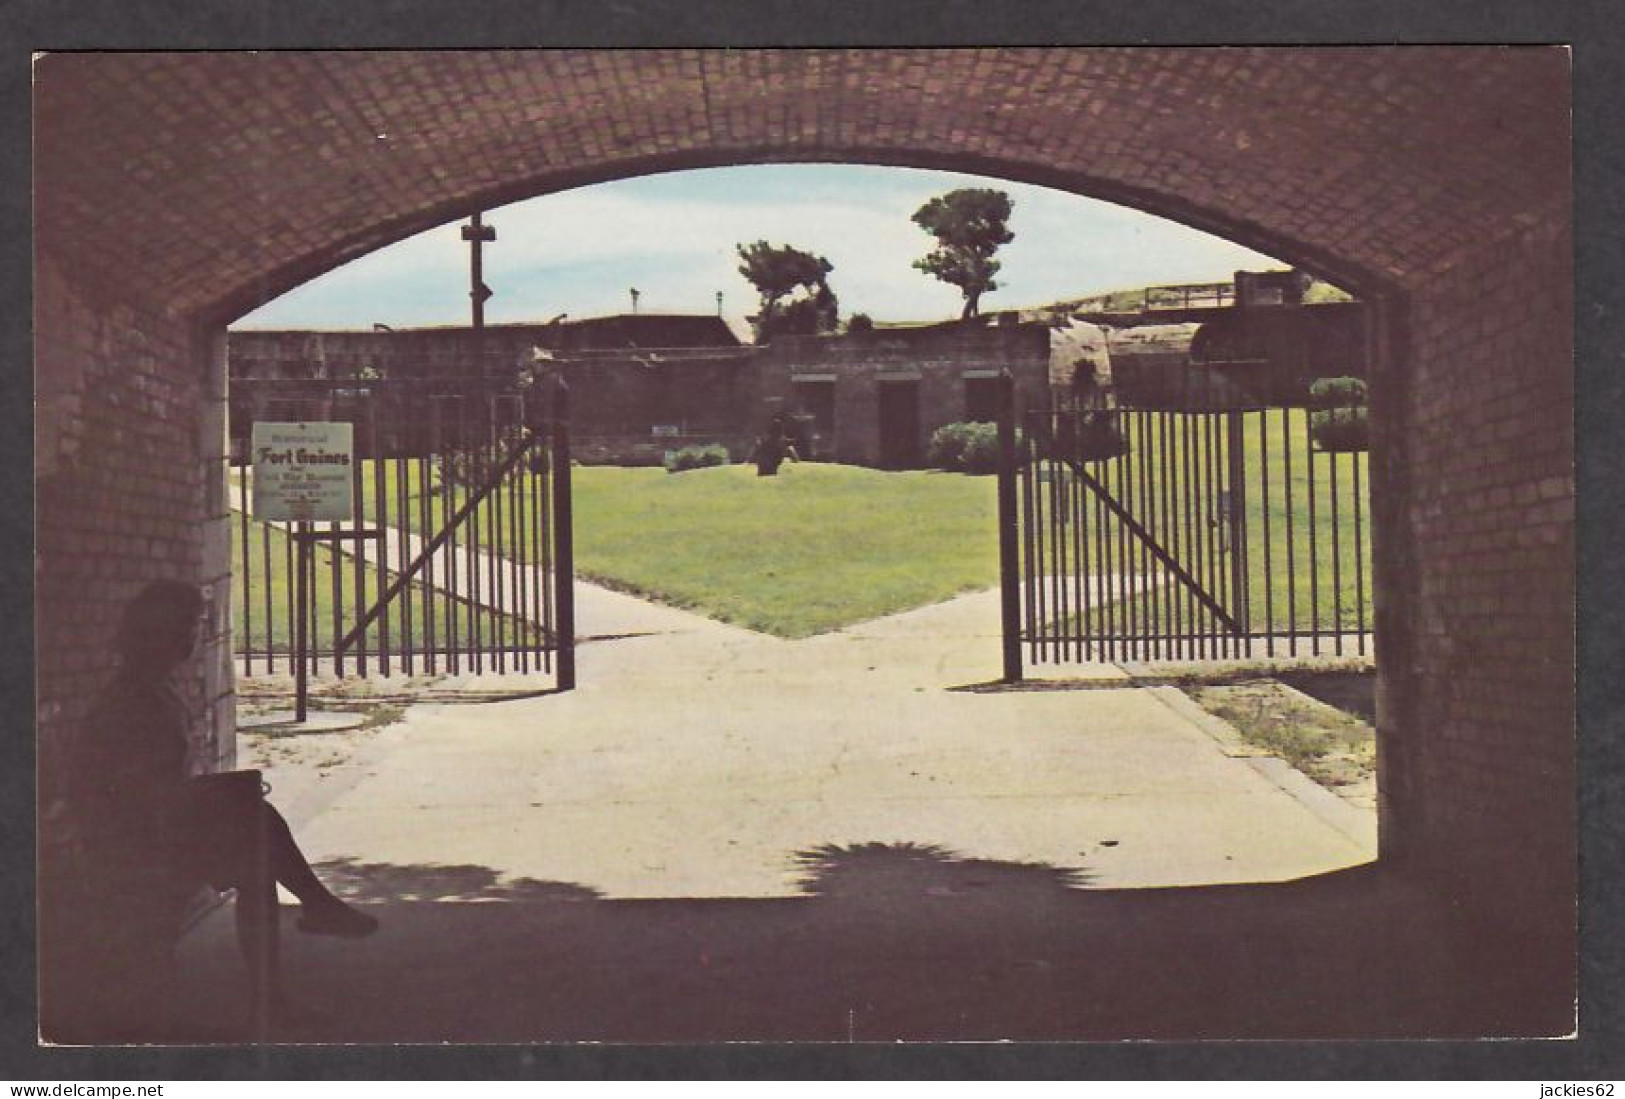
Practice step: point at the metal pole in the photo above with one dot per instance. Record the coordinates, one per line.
(301, 672)
(1009, 565)
(563, 533)
(302, 592)
(1236, 476)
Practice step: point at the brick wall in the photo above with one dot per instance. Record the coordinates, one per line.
(617, 397)
(723, 395)
(448, 351)
(1479, 752)
(938, 360)
(424, 352)
(128, 444)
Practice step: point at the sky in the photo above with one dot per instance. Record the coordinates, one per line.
(672, 236)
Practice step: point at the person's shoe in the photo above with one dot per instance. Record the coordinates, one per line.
(336, 918)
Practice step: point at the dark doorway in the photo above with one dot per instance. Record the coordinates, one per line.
(899, 424)
(817, 399)
(981, 400)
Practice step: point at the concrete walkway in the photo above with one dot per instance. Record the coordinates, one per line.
(723, 836)
(699, 760)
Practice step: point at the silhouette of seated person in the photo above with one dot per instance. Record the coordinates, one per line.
(152, 830)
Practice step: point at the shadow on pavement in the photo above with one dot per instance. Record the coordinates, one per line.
(883, 873)
(891, 942)
(358, 881)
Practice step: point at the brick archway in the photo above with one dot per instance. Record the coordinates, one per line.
(176, 192)
(230, 178)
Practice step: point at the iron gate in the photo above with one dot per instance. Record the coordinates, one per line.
(1182, 534)
(467, 486)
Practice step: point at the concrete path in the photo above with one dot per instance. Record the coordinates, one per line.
(723, 836)
(856, 837)
(699, 760)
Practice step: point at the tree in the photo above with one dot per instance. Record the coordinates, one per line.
(969, 225)
(795, 294)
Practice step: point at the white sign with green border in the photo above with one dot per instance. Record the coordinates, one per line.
(303, 472)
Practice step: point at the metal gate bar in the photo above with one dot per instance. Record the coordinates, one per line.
(462, 479)
(1183, 534)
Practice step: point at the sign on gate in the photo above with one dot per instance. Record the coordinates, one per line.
(303, 471)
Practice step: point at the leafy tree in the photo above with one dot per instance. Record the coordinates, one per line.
(969, 224)
(859, 323)
(794, 288)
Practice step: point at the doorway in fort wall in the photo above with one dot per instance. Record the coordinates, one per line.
(1146, 567)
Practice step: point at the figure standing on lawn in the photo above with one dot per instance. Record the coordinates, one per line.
(773, 446)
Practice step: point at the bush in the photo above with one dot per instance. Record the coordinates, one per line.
(965, 448)
(1338, 421)
(947, 446)
(1330, 393)
(696, 457)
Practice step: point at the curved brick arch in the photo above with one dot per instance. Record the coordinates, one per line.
(175, 192)
(239, 175)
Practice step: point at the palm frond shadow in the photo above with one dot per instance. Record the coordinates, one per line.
(903, 870)
(381, 881)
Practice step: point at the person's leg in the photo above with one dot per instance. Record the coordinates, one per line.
(324, 913)
(287, 863)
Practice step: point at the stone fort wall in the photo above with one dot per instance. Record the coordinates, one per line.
(631, 406)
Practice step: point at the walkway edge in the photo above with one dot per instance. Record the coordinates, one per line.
(1357, 824)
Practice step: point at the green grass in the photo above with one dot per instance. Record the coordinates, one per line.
(813, 549)
(269, 553)
(816, 548)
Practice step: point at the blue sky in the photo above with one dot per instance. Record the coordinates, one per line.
(672, 236)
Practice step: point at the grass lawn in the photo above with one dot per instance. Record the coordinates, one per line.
(816, 548)
(268, 624)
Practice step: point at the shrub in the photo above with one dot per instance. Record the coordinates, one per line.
(947, 446)
(965, 448)
(1329, 393)
(1338, 421)
(474, 468)
(696, 457)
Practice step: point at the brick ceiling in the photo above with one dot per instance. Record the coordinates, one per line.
(209, 182)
